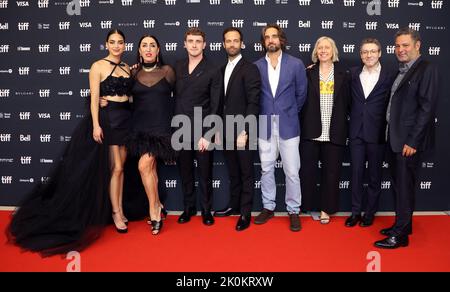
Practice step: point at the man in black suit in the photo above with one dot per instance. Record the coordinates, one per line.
(198, 85)
(371, 85)
(410, 116)
(241, 89)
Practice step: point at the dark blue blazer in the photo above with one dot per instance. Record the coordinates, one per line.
(288, 100)
(368, 116)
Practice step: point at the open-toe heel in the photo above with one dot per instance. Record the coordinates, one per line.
(156, 226)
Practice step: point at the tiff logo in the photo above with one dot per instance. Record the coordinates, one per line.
(149, 23)
(5, 137)
(434, 51)
(193, 22)
(64, 70)
(25, 159)
(171, 183)
(44, 92)
(64, 25)
(239, 23)
(64, 116)
(437, 4)
(106, 24)
(327, 24)
(283, 23)
(85, 47)
(304, 47)
(4, 48)
(344, 184)
(171, 47)
(170, 2)
(45, 138)
(216, 183)
(393, 3)
(24, 115)
(259, 2)
(23, 25)
(3, 3)
(349, 3)
(4, 92)
(42, 3)
(304, 24)
(258, 47)
(304, 2)
(371, 25)
(390, 49)
(129, 47)
(425, 185)
(348, 48)
(214, 47)
(85, 92)
(414, 26)
(6, 179)
(24, 70)
(85, 3)
(44, 48)
(127, 2)
(214, 2)
(257, 184)
(385, 185)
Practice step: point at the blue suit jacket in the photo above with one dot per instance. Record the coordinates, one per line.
(288, 100)
(368, 116)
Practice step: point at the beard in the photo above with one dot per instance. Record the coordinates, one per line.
(272, 48)
(233, 52)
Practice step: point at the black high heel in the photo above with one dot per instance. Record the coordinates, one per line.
(163, 213)
(156, 226)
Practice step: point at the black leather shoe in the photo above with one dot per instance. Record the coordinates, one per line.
(393, 242)
(352, 220)
(366, 221)
(294, 222)
(186, 216)
(389, 231)
(226, 212)
(208, 219)
(264, 216)
(243, 223)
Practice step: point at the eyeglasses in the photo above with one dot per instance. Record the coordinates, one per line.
(373, 52)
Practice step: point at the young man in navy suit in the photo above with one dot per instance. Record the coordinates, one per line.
(370, 87)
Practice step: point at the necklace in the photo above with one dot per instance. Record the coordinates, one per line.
(147, 68)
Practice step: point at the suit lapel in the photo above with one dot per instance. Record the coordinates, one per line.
(315, 78)
(283, 76)
(265, 74)
(409, 73)
(358, 83)
(338, 78)
(233, 75)
(379, 82)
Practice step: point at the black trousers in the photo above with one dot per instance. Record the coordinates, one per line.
(187, 172)
(330, 156)
(361, 152)
(241, 173)
(404, 179)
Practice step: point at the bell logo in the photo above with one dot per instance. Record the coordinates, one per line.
(4, 26)
(283, 23)
(171, 47)
(193, 22)
(64, 70)
(44, 48)
(25, 159)
(24, 115)
(349, 3)
(171, 183)
(64, 25)
(45, 138)
(348, 48)
(393, 3)
(434, 51)
(304, 2)
(25, 138)
(106, 24)
(437, 4)
(238, 23)
(149, 23)
(304, 24)
(62, 48)
(44, 92)
(42, 3)
(414, 26)
(24, 70)
(371, 25)
(23, 25)
(390, 50)
(6, 179)
(85, 47)
(327, 24)
(5, 137)
(237, 2)
(304, 48)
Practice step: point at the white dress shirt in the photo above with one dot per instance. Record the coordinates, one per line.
(229, 70)
(369, 79)
(274, 74)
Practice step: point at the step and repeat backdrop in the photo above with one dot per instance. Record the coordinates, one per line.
(47, 47)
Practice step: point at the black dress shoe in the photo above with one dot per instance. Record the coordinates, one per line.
(226, 212)
(186, 216)
(208, 219)
(243, 223)
(390, 231)
(352, 220)
(393, 242)
(366, 221)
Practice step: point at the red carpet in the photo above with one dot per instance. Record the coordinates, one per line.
(261, 248)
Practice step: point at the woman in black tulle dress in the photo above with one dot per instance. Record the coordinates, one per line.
(152, 113)
(71, 210)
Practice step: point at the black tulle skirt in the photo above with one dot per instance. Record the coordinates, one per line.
(159, 146)
(69, 212)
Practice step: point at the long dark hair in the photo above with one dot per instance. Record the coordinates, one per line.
(160, 61)
(114, 31)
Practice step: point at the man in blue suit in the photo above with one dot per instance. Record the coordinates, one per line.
(283, 92)
(371, 84)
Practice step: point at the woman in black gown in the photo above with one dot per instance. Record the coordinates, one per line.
(152, 113)
(69, 212)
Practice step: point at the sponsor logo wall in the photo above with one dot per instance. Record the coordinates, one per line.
(47, 47)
